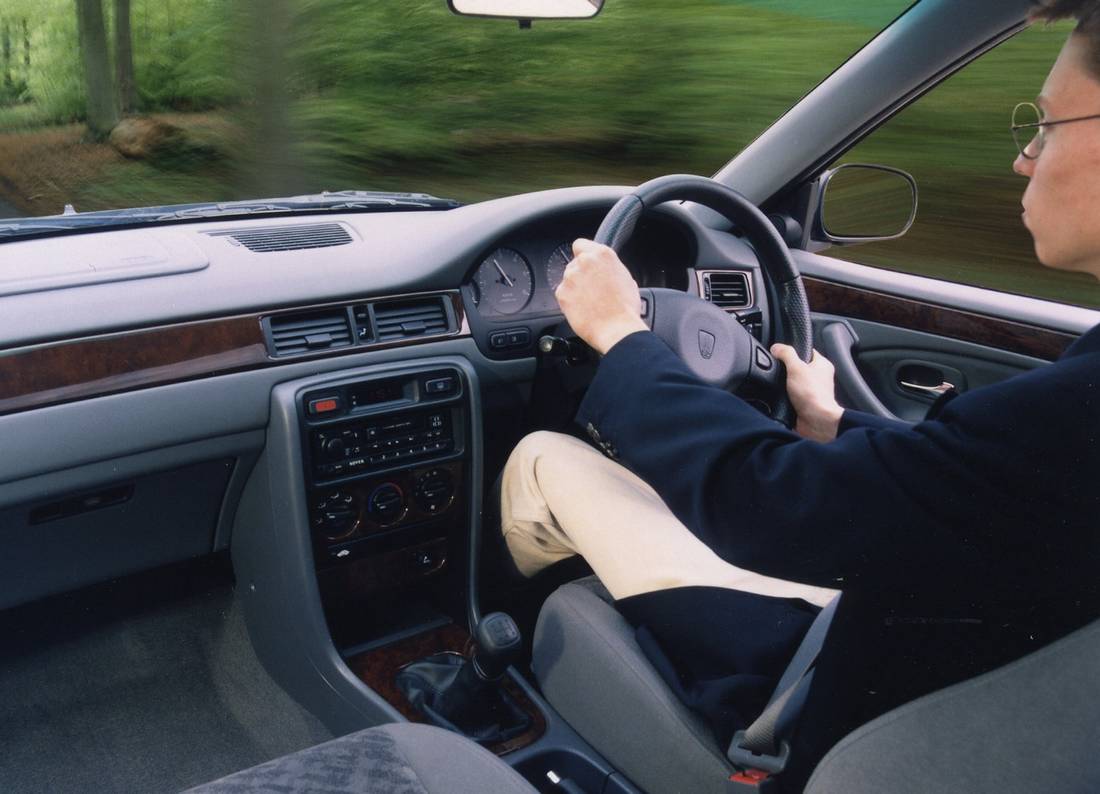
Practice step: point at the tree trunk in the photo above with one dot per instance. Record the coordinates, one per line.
(6, 35)
(269, 161)
(26, 47)
(124, 58)
(101, 108)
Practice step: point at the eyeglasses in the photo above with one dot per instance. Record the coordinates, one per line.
(1029, 128)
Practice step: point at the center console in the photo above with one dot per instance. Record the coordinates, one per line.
(385, 463)
(352, 556)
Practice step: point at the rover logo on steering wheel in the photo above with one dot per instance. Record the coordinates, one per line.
(706, 344)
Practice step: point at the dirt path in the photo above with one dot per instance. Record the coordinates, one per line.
(40, 168)
(45, 168)
(8, 194)
(9, 210)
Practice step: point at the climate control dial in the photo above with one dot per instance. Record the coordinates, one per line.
(336, 514)
(386, 504)
(434, 490)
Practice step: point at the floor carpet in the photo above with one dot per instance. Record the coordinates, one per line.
(147, 684)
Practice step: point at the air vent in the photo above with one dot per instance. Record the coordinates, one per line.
(288, 238)
(402, 319)
(293, 334)
(727, 290)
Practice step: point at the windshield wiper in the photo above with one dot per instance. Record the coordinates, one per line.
(328, 201)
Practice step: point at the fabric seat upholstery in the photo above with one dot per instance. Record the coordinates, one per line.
(595, 675)
(1032, 725)
(400, 758)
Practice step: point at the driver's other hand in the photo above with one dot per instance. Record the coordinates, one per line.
(810, 387)
(599, 297)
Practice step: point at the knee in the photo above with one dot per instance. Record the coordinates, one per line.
(534, 446)
(536, 456)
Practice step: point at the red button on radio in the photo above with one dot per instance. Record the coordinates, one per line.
(324, 406)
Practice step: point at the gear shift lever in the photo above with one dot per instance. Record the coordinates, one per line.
(498, 646)
(465, 695)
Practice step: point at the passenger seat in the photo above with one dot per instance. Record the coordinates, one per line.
(399, 758)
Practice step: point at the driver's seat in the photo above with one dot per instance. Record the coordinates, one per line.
(1031, 723)
(595, 675)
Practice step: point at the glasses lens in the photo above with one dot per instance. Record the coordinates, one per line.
(1025, 129)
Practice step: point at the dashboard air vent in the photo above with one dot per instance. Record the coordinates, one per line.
(293, 334)
(289, 238)
(727, 290)
(408, 318)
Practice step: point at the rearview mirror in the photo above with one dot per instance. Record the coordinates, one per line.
(527, 9)
(859, 203)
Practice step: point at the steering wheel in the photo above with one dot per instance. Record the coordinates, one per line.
(713, 345)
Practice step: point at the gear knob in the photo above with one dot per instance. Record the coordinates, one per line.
(499, 643)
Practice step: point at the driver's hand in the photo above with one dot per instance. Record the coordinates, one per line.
(810, 387)
(599, 297)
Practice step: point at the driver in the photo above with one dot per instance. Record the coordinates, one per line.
(960, 543)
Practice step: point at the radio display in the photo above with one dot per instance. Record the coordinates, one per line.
(376, 392)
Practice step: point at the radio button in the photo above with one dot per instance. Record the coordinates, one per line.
(439, 386)
(334, 448)
(325, 405)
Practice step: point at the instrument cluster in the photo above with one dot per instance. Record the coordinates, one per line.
(519, 275)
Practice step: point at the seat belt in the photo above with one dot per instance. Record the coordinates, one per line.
(762, 747)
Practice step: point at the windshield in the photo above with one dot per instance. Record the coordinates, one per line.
(224, 100)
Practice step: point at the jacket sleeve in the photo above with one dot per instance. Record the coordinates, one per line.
(877, 505)
(852, 419)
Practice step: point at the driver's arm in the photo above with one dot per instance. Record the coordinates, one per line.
(873, 507)
(876, 503)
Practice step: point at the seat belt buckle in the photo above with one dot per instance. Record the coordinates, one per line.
(745, 759)
(751, 781)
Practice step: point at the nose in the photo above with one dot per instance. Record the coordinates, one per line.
(1023, 166)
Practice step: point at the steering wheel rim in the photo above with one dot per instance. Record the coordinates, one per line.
(794, 327)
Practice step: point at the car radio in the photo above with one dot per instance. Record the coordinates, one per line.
(378, 443)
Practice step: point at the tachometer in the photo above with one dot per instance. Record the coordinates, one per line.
(555, 265)
(504, 281)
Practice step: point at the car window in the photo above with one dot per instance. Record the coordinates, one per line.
(956, 143)
(244, 98)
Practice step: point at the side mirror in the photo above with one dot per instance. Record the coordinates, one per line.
(526, 10)
(860, 203)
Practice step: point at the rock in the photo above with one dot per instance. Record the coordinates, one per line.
(143, 138)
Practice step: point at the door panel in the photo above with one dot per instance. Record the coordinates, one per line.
(896, 348)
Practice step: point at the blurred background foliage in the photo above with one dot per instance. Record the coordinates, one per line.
(379, 94)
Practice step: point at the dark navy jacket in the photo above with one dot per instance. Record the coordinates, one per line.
(960, 543)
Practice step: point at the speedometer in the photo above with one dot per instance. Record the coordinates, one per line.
(555, 265)
(504, 281)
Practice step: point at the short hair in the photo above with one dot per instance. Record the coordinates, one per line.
(1087, 14)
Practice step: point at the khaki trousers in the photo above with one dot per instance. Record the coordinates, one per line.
(560, 497)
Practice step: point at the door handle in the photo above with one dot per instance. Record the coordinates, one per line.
(837, 341)
(920, 388)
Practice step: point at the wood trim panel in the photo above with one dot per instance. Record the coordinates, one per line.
(831, 298)
(63, 371)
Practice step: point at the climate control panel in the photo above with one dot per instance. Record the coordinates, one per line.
(350, 519)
